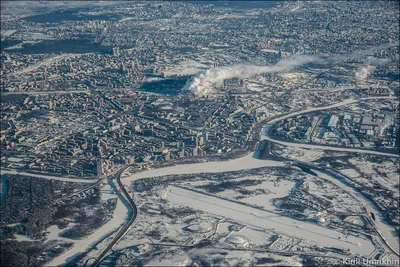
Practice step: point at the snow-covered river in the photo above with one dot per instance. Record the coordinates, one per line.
(249, 162)
(246, 162)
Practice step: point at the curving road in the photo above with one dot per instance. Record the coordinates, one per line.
(339, 104)
(269, 124)
(246, 162)
(326, 147)
(249, 162)
(385, 231)
(128, 224)
(45, 62)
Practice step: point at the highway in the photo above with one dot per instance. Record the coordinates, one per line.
(246, 162)
(127, 225)
(383, 230)
(326, 147)
(275, 251)
(340, 88)
(339, 104)
(390, 241)
(82, 190)
(269, 124)
(45, 62)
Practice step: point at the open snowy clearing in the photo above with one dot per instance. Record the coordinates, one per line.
(249, 162)
(268, 220)
(186, 68)
(82, 245)
(276, 190)
(306, 155)
(387, 231)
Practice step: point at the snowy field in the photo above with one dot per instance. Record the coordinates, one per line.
(386, 230)
(341, 201)
(300, 154)
(85, 244)
(385, 173)
(162, 213)
(350, 173)
(267, 220)
(249, 162)
(186, 68)
(272, 188)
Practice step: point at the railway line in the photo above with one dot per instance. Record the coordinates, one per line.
(128, 224)
(133, 214)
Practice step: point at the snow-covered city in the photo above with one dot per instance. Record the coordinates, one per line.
(200, 133)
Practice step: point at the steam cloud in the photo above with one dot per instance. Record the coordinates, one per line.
(362, 73)
(203, 83)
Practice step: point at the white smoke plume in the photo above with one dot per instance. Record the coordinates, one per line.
(204, 82)
(364, 72)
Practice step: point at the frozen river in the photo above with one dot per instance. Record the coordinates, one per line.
(248, 162)
(357, 245)
(388, 232)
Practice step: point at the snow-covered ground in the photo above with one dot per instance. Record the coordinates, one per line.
(350, 173)
(7, 33)
(301, 154)
(320, 147)
(386, 230)
(19, 237)
(267, 220)
(249, 162)
(311, 232)
(86, 243)
(341, 201)
(186, 68)
(384, 173)
(246, 162)
(276, 190)
(257, 238)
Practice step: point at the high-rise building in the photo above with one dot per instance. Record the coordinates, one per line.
(99, 168)
(116, 51)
